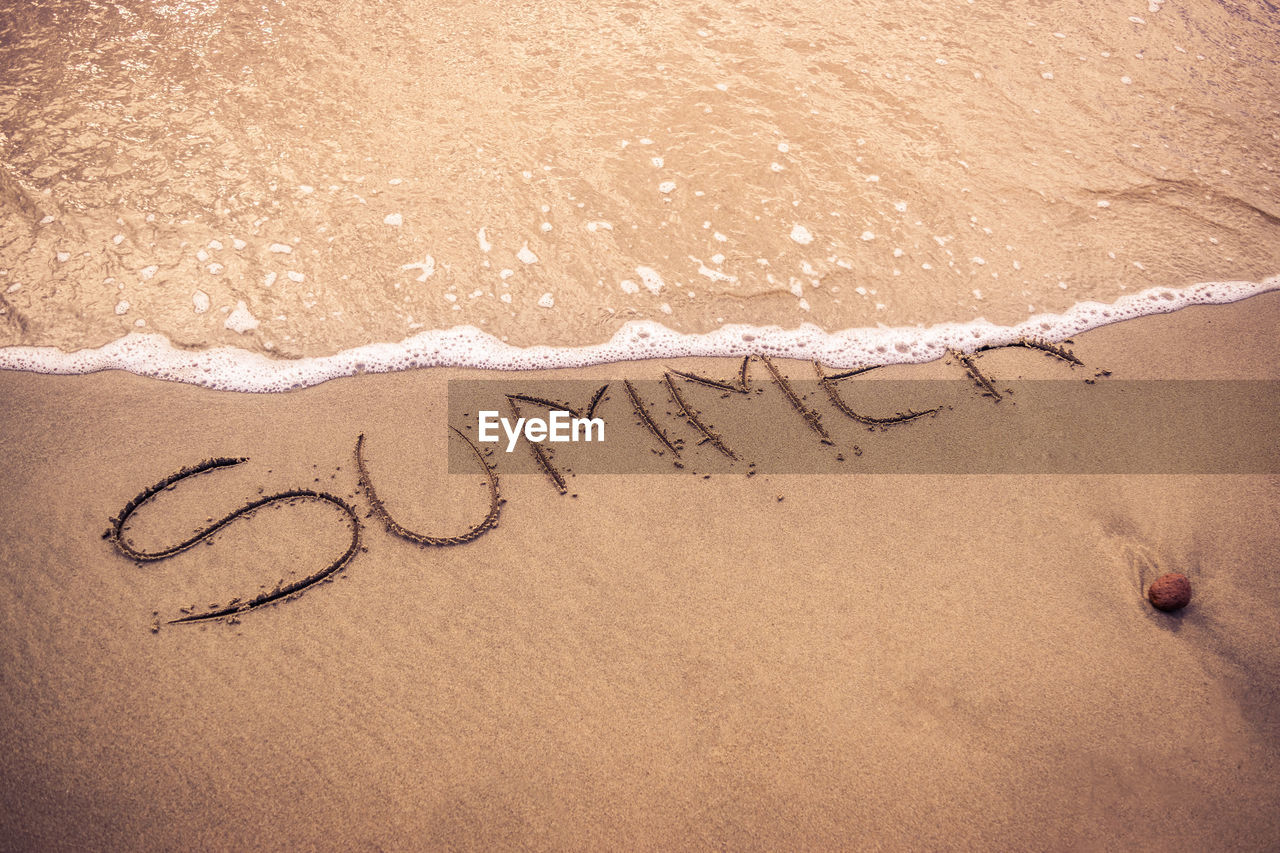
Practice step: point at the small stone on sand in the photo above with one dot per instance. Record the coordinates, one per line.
(1170, 592)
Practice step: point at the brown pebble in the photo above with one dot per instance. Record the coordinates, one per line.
(1170, 592)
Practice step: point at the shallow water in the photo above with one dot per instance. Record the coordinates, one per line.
(298, 179)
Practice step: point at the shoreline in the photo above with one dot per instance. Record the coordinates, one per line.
(235, 369)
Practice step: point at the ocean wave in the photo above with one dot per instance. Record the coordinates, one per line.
(233, 369)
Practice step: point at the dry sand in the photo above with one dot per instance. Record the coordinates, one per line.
(924, 661)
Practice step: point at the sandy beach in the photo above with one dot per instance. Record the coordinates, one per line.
(661, 662)
(784, 602)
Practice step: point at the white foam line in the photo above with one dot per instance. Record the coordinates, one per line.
(234, 369)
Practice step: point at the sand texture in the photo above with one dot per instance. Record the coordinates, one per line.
(923, 661)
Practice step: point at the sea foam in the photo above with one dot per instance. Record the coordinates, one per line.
(233, 369)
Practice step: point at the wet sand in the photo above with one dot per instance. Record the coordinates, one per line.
(661, 662)
(301, 178)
